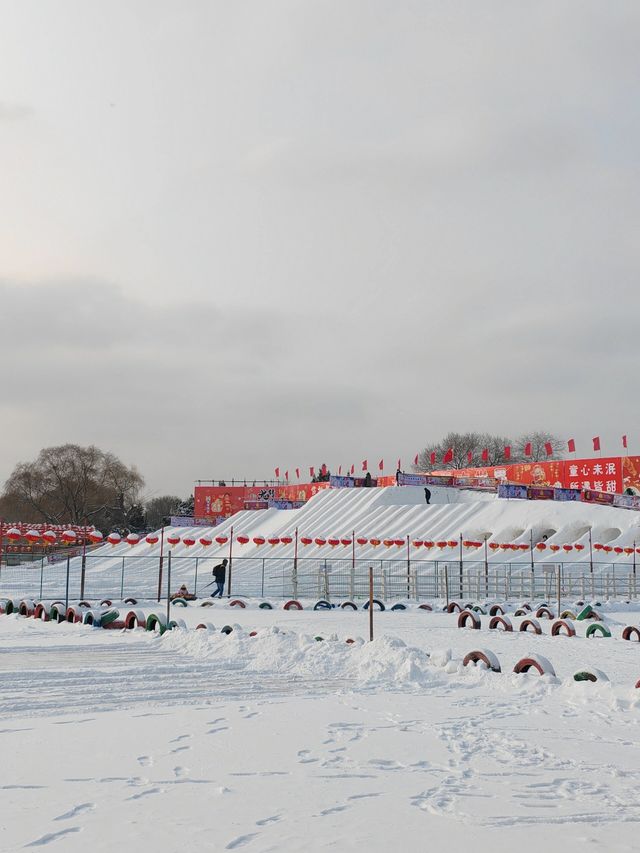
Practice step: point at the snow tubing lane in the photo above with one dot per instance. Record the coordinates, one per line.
(425, 607)
(155, 622)
(544, 612)
(453, 607)
(497, 621)
(264, 605)
(348, 605)
(562, 627)
(375, 601)
(524, 626)
(237, 603)
(466, 616)
(496, 610)
(630, 631)
(590, 675)
(135, 619)
(483, 656)
(398, 607)
(597, 628)
(323, 604)
(292, 605)
(541, 665)
(177, 602)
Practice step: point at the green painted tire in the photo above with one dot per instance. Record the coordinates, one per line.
(265, 606)
(585, 613)
(598, 628)
(109, 616)
(58, 612)
(179, 602)
(155, 622)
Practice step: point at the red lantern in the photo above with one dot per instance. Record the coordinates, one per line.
(222, 540)
(32, 536)
(524, 546)
(49, 537)
(494, 546)
(95, 536)
(306, 540)
(114, 538)
(606, 548)
(618, 549)
(361, 540)
(467, 544)
(274, 540)
(388, 543)
(452, 543)
(567, 548)
(417, 543)
(286, 540)
(580, 547)
(374, 542)
(133, 539)
(399, 542)
(554, 547)
(428, 543)
(242, 539)
(541, 546)
(173, 539)
(320, 541)
(441, 544)
(333, 542)
(152, 538)
(205, 541)
(598, 546)
(13, 534)
(69, 536)
(259, 540)
(346, 542)
(189, 540)
(628, 550)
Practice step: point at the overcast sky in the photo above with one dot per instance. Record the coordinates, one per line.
(235, 235)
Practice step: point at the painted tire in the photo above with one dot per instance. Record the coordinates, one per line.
(72, 615)
(156, 622)
(597, 628)
(116, 625)
(501, 621)
(109, 617)
(562, 627)
(178, 602)
(106, 602)
(530, 623)
(349, 641)
(590, 675)
(567, 614)
(585, 613)
(41, 612)
(496, 610)
(322, 605)
(237, 602)
(177, 623)
(469, 616)
(453, 607)
(536, 662)
(348, 605)
(131, 601)
(398, 606)
(57, 612)
(425, 607)
(638, 684)
(484, 656)
(521, 611)
(264, 605)
(135, 619)
(544, 612)
(227, 629)
(253, 633)
(630, 631)
(319, 639)
(477, 609)
(206, 603)
(92, 618)
(84, 604)
(26, 607)
(375, 601)
(206, 626)
(292, 605)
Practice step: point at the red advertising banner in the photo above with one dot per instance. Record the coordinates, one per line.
(222, 501)
(599, 475)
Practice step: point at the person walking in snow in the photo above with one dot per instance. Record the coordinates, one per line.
(427, 495)
(219, 573)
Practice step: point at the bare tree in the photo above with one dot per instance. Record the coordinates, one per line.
(157, 509)
(474, 443)
(538, 441)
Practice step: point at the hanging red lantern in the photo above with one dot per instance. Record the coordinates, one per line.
(259, 540)
(494, 546)
(32, 536)
(374, 542)
(362, 541)
(606, 548)
(554, 547)
(222, 540)
(242, 539)
(205, 541)
(133, 539)
(189, 540)
(306, 540)
(399, 542)
(452, 543)
(68, 536)
(580, 547)
(286, 540)
(152, 538)
(320, 541)
(418, 543)
(467, 543)
(567, 548)
(95, 536)
(441, 544)
(114, 538)
(618, 549)
(541, 546)
(13, 534)
(49, 537)
(598, 546)
(523, 546)
(173, 539)
(274, 540)
(428, 543)
(346, 542)
(333, 542)
(628, 550)
(388, 542)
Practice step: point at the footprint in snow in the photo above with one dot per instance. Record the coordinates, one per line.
(81, 808)
(266, 820)
(179, 738)
(53, 836)
(241, 840)
(145, 760)
(180, 749)
(146, 793)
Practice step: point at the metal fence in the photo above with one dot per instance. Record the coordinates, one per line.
(150, 578)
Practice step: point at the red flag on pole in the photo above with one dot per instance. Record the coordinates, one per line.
(353, 470)
(298, 473)
(432, 457)
(527, 449)
(548, 448)
(312, 471)
(339, 470)
(596, 443)
(364, 465)
(415, 461)
(469, 456)
(286, 476)
(571, 444)
(277, 473)
(448, 456)
(507, 452)
(381, 465)
(624, 441)
(485, 454)
(399, 464)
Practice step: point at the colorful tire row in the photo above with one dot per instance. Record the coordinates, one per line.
(531, 664)
(561, 627)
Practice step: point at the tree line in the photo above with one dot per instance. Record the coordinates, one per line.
(474, 443)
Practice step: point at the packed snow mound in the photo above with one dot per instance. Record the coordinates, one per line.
(387, 661)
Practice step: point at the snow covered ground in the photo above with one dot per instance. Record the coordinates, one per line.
(280, 742)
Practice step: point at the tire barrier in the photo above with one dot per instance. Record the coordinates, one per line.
(477, 609)
(585, 613)
(638, 684)
(264, 605)
(178, 602)
(425, 607)
(227, 629)
(57, 612)
(92, 618)
(349, 605)
(135, 619)
(206, 626)
(322, 604)
(292, 605)
(530, 623)
(237, 602)
(562, 627)
(590, 675)
(453, 607)
(597, 628)
(567, 614)
(206, 603)
(469, 616)
(501, 621)
(630, 631)
(41, 612)
(544, 613)
(72, 615)
(483, 656)
(398, 607)
(131, 601)
(376, 601)
(109, 617)
(106, 602)
(253, 633)
(496, 610)
(26, 607)
(526, 606)
(537, 662)
(116, 625)
(521, 611)
(177, 623)
(156, 622)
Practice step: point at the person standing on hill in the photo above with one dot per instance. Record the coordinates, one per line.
(219, 573)
(427, 495)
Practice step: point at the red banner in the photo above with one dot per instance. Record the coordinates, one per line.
(222, 501)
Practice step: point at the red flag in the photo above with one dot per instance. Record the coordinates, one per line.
(298, 473)
(485, 454)
(624, 441)
(312, 472)
(448, 456)
(415, 461)
(399, 464)
(469, 456)
(432, 457)
(381, 465)
(339, 470)
(353, 470)
(548, 448)
(571, 444)
(527, 449)
(596, 443)
(286, 476)
(277, 473)
(364, 465)
(507, 452)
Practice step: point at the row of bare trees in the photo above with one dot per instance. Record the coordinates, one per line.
(475, 442)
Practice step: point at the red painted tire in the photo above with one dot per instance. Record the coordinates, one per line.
(638, 684)
(237, 603)
(503, 621)
(630, 631)
(469, 616)
(135, 619)
(544, 612)
(114, 626)
(26, 607)
(253, 633)
(84, 604)
(425, 607)
(349, 641)
(537, 662)
(131, 601)
(562, 627)
(496, 610)
(453, 607)
(533, 623)
(206, 626)
(483, 656)
(522, 611)
(292, 605)
(41, 612)
(72, 615)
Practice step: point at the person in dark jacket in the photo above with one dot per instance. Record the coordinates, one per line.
(219, 573)
(367, 480)
(427, 495)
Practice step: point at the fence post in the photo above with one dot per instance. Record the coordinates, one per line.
(446, 583)
(195, 580)
(66, 595)
(326, 582)
(370, 603)
(169, 589)
(230, 562)
(84, 566)
(262, 586)
(161, 561)
(408, 569)
(41, 573)
(559, 579)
